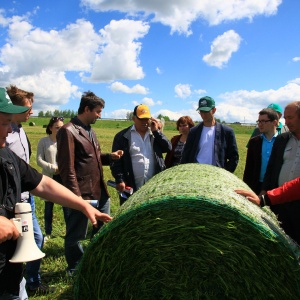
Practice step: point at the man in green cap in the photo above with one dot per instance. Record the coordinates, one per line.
(211, 142)
(17, 176)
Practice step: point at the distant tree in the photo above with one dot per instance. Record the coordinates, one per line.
(48, 114)
(129, 115)
(166, 118)
(40, 114)
(57, 113)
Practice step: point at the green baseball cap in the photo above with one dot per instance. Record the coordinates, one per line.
(275, 107)
(206, 103)
(6, 106)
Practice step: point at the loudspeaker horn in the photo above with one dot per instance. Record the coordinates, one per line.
(26, 249)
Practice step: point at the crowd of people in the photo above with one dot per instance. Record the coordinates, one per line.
(72, 163)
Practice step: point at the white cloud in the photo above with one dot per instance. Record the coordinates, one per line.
(183, 90)
(297, 58)
(243, 105)
(119, 114)
(119, 51)
(55, 91)
(175, 115)
(158, 70)
(199, 92)
(120, 87)
(222, 48)
(30, 51)
(180, 14)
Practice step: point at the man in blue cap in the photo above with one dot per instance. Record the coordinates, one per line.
(211, 142)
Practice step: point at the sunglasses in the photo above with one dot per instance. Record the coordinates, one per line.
(55, 119)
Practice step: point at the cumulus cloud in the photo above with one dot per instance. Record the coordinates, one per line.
(183, 90)
(180, 14)
(222, 48)
(136, 89)
(118, 57)
(297, 58)
(58, 90)
(43, 57)
(243, 105)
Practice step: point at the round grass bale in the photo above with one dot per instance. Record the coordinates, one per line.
(187, 235)
(31, 124)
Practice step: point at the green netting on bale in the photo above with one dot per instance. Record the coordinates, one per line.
(187, 235)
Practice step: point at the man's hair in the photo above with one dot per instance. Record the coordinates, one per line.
(90, 100)
(18, 96)
(271, 113)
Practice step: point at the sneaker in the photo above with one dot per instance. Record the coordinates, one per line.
(42, 289)
(47, 238)
(70, 272)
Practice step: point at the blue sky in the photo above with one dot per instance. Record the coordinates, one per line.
(166, 54)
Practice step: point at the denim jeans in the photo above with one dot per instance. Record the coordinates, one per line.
(48, 216)
(33, 277)
(77, 226)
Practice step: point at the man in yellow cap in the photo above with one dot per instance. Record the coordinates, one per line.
(143, 145)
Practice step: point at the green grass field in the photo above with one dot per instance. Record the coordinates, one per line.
(54, 264)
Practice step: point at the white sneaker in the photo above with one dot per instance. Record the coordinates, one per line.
(47, 238)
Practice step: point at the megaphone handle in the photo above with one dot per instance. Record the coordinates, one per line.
(18, 224)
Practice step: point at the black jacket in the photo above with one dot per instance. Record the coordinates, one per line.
(225, 147)
(122, 169)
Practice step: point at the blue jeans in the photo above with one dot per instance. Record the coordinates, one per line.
(77, 226)
(48, 216)
(33, 277)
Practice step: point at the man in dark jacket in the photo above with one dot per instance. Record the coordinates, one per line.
(143, 145)
(210, 142)
(260, 148)
(80, 161)
(283, 166)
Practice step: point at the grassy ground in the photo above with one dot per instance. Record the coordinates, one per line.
(54, 264)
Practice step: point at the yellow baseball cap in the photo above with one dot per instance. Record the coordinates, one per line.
(142, 111)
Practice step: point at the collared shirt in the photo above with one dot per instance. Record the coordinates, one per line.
(206, 146)
(291, 161)
(17, 142)
(266, 150)
(142, 157)
(88, 128)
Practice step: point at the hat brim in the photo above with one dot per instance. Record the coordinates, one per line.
(205, 108)
(144, 116)
(14, 109)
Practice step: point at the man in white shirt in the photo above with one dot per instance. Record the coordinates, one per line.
(143, 145)
(211, 142)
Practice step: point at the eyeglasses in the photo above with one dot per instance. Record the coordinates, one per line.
(55, 119)
(263, 121)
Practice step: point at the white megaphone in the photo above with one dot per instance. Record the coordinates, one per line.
(26, 249)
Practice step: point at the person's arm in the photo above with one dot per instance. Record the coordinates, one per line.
(55, 192)
(288, 192)
(8, 230)
(41, 160)
(162, 141)
(232, 159)
(250, 158)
